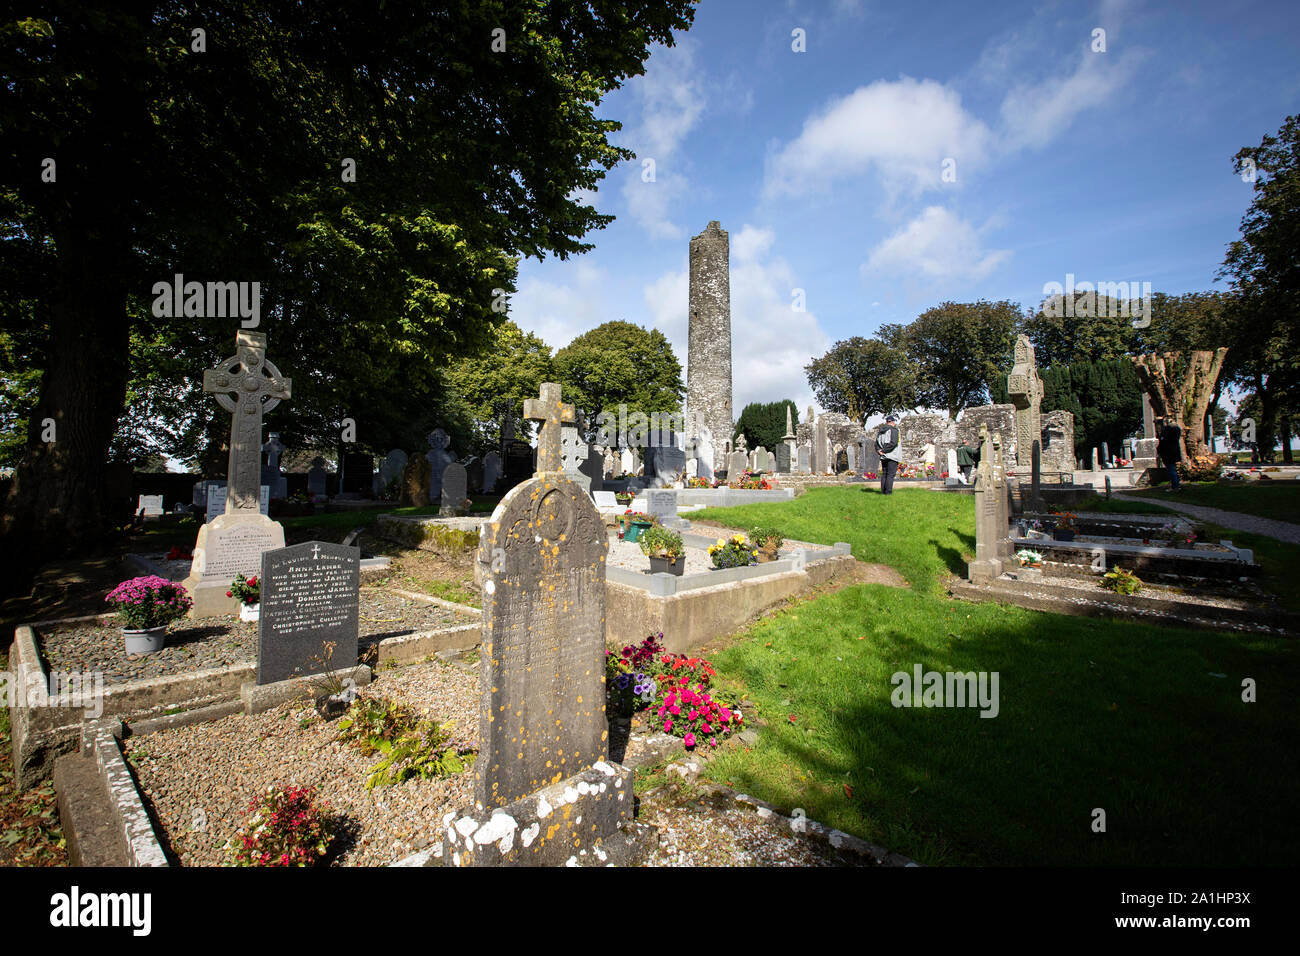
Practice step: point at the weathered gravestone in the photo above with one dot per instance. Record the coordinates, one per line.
(821, 451)
(992, 544)
(474, 475)
(870, 455)
(149, 504)
(276, 483)
(574, 452)
(440, 456)
(391, 468)
(662, 504)
(310, 597)
(455, 490)
(232, 543)
(737, 462)
(783, 459)
(491, 471)
(1025, 389)
(317, 477)
(627, 461)
(544, 791)
(358, 476)
(805, 459)
(216, 503)
(415, 482)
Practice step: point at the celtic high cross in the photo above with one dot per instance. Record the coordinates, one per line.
(248, 386)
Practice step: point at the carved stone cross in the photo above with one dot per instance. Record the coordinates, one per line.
(1025, 389)
(552, 413)
(257, 387)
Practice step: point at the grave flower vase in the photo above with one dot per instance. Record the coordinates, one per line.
(332, 707)
(634, 530)
(147, 640)
(666, 565)
(249, 612)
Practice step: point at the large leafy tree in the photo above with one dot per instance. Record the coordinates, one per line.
(499, 380)
(763, 423)
(1264, 268)
(958, 350)
(862, 377)
(1096, 328)
(228, 164)
(619, 363)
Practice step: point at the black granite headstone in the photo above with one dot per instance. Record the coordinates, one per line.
(783, 459)
(518, 463)
(358, 473)
(310, 596)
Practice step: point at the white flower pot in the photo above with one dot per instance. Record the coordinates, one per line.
(148, 640)
(249, 612)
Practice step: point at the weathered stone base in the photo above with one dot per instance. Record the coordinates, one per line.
(248, 534)
(576, 821)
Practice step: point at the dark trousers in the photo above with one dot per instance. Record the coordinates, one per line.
(1172, 468)
(965, 472)
(888, 468)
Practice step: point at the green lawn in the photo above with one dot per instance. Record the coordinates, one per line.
(1093, 714)
(924, 534)
(1273, 499)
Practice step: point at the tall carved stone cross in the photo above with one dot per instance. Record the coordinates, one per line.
(552, 413)
(1025, 389)
(257, 387)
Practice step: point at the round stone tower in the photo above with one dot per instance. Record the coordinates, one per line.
(708, 368)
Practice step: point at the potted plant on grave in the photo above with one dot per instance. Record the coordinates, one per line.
(735, 552)
(147, 605)
(769, 542)
(665, 550)
(1064, 529)
(248, 591)
(635, 523)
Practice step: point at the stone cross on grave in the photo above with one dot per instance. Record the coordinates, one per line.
(553, 414)
(1025, 389)
(248, 386)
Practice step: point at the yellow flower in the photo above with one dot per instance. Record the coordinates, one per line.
(738, 538)
(721, 542)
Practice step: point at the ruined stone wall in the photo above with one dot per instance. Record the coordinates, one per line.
(708, 369)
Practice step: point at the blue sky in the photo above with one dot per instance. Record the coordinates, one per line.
(826, 166)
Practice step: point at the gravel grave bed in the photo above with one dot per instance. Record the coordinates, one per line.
(198, 781)
(1089, 587)
(219, 641)
(207, 774)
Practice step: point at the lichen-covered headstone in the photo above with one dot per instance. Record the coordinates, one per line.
(455, 490)
(543, 787)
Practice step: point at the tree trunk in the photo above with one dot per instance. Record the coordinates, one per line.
(57, 501)
(1182, 398)
(1285, 428)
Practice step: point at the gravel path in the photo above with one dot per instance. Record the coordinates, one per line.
(218, 641)
(1270, 527)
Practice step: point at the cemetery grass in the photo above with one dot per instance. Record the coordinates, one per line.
(925, 535)
(1279, 500)
(1115, 715)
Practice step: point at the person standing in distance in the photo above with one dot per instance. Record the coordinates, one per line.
(890, 448)
(1170, 449)
(966, 459)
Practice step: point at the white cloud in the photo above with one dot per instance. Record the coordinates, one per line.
(560, 313)
(770, 342)
(1034, 115)
(671, 100)
(903, 130)
(937, 245)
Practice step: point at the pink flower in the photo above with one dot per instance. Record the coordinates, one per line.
(689, 739)
(668, 726)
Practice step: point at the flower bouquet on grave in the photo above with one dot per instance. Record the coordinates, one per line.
(177, 553)
(630, 683)
(664, 548)
(1029, 559)
(733, 553)
(285, 827)
(147, 605)
(248, 592)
